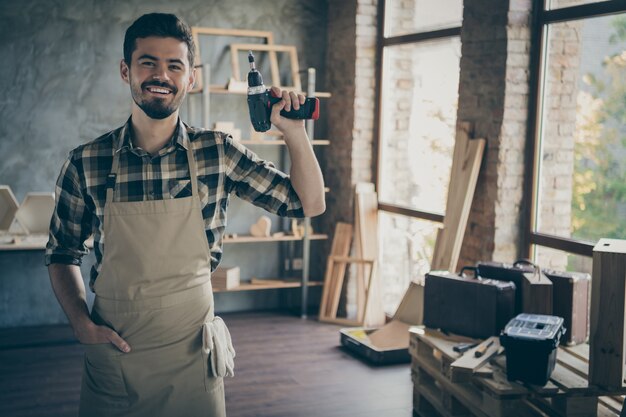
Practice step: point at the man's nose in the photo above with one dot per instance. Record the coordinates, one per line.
(160, 73)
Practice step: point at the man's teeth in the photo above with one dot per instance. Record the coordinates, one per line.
(158, 90)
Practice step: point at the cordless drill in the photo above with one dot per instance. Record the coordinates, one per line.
(261, 100)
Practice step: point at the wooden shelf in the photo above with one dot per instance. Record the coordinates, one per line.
(39, 243)
(246, 286)
(280, 142)
(219, 89)
(29, 242)
(253, 239)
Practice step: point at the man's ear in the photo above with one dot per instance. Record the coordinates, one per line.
(192, 78)
(124, 71)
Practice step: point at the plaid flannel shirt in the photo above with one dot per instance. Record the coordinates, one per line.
(224, 166)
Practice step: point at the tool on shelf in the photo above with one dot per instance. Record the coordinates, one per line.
(463, 347)
(260, 102)
(483, 348)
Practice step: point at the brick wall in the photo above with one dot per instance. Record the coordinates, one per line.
(493, 94)
(351, 80)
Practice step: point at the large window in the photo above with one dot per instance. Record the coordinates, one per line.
(418, 86)
(579, 190)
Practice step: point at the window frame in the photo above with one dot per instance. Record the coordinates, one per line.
(540, 20)
(381, 44)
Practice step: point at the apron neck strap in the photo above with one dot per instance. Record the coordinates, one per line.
(193, 173)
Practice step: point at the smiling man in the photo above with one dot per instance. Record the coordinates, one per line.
(154, 194)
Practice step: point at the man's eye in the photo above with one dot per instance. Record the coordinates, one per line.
(147, 64)
(175, 68)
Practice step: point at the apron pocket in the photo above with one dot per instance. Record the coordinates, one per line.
(103, 381)
(211, 383)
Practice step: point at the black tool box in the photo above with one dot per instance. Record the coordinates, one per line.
(467, 305)
(530, 342)
(388, 344)
(570, 300)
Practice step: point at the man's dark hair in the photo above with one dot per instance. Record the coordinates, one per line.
(162, 25)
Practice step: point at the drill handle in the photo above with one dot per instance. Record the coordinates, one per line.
(309, 110)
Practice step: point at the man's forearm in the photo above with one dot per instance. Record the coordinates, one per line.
(69, 289)
(306, 175)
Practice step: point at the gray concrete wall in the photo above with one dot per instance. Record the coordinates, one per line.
(60, 87)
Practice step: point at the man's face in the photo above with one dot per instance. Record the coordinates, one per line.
(159, 75)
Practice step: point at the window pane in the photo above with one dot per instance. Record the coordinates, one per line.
(561, 261)
(406, 251)
(419, 102)
(582, 171)
(412, 16)
(559, 4)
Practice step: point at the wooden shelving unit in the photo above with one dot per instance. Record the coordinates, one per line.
(321, 142)
(304, 284)
(29, 242)
(246, 286)
(220, 89)
(287, 238)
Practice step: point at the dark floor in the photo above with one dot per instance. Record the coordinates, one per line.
(285, 366)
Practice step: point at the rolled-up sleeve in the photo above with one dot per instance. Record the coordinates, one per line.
(259, 182)
(71, 221)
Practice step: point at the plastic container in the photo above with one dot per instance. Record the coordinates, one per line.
(530, 342)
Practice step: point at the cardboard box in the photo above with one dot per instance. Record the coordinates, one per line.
(225, 277)
(388, 344)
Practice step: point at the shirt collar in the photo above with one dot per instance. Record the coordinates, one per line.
(180, 138)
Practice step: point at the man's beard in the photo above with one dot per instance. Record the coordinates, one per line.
(156, 108)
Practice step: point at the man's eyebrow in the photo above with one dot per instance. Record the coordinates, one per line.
(154, 58)
(146, 56)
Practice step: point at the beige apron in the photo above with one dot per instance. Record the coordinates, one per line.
(154, 289)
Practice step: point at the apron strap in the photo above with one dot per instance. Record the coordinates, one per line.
(193, 170)
(112, 177)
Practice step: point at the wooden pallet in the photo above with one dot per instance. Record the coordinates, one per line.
(440, 390)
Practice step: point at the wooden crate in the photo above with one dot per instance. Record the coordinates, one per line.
(440, 390)
(608, 297)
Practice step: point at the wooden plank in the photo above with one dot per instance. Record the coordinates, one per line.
(612, 403)
(466, 162)
(360, 272)
(573, 363)
(581, 351)
(366, 237)
(334, 260)
(608, 292)
(332, 285)
(469, 361)
(570, 382)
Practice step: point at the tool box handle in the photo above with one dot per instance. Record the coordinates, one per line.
(525, 262)
(537, 270)
(470, 268)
